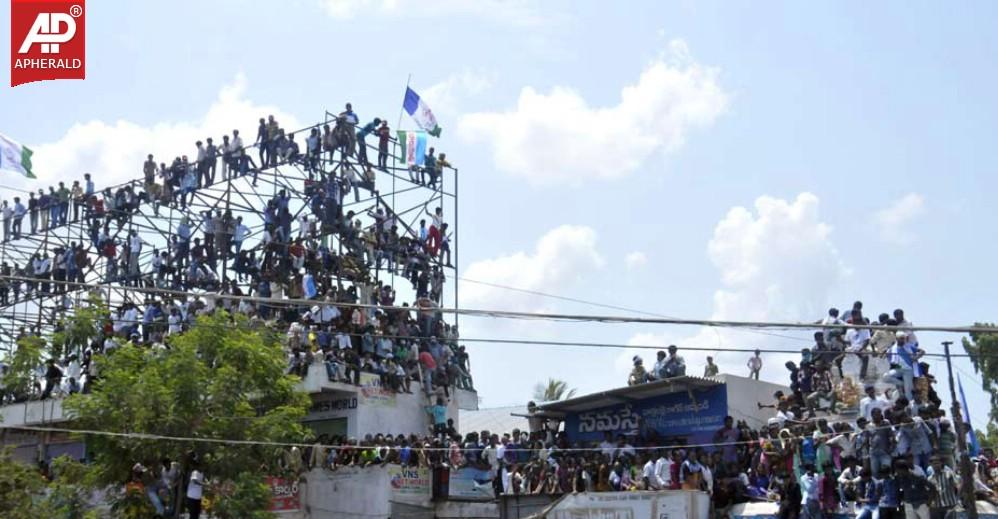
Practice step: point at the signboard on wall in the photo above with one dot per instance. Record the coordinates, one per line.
(632, 505)
(409, 483)
(471, 483)
(373, 393)
(283, 495)
(672, 414)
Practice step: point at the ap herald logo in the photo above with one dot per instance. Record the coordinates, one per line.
(47, 40)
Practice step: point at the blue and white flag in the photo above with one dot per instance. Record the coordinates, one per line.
(417, 109)
(972, 444)
(308, 286)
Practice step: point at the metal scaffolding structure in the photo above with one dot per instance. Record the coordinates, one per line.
(398, 193)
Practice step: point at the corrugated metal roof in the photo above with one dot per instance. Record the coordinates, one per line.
(495, 420)
(627, 394)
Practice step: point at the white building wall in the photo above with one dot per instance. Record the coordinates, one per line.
(36, 412)
(401, 413)
(744, 395)
(348, 493)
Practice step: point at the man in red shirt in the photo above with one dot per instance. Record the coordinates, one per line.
(428, 365)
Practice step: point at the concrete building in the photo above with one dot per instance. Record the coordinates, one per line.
(337, 409)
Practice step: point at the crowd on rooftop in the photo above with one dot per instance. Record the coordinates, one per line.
(343, 312)
(827, 448)
(891, 452)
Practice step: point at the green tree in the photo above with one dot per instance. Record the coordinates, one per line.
(75, 330)
(22, 363)
(22, 489)
(989, 439)
(552, 391)
(248, 497)
(983, 351)
(224, 380)
(69, 490)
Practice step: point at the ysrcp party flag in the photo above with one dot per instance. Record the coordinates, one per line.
(972, 444)
(413, 147)
(14, 157)
(415, 107)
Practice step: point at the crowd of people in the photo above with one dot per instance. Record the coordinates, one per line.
(826, 449)
(311, 251)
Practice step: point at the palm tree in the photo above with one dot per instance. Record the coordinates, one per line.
(554, 390)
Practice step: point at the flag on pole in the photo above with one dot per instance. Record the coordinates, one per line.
(415, 107)
(413, 147)
(14, 157)
(972, 444)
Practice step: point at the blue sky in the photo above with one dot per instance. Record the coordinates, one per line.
(865, 128)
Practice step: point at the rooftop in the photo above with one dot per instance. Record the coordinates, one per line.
(626, 394)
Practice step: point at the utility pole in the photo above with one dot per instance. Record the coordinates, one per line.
(966, 470)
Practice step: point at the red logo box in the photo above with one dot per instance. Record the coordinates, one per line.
(47, 40)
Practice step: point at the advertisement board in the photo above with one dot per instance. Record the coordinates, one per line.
(470, 483)
(373, 393)
(283, 495)
(696, 415)
(632, 505)
(409, 483)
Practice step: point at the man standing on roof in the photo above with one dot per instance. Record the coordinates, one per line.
(638, 374)
(658, 370)
(710, 369)
(368, 129)
(675, 366)
(351, 118)
(755, 365)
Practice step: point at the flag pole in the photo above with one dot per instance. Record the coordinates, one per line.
(402, 107)
(965, 469)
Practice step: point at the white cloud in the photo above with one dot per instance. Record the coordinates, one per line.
(558, 138)
(562, 260)
(562, 257)
(447, 96)
(516, 12)
(113, 152)
(635, 260)
(893, 223)
(776, 262)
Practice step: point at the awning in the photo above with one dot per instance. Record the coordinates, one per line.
(624, 395)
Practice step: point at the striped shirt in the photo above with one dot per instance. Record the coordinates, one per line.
(947, 493)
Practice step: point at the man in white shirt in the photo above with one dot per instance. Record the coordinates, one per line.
(195, 490)
(615, 476)
(19, 212)
(904, 357)
(135, 243)
(607, 446)
(829, 322)
(755, 365)
(8, 216)
(859, 340)
(870, 402)
(624, 448)
(905, 326)
(648, 474)
(663, 471)
(810, 506)
(240, 234)
(708, 475)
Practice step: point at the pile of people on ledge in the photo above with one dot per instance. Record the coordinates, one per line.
(825, 450)
(400, 345)
(213, 251)
(323, 257)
